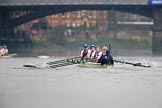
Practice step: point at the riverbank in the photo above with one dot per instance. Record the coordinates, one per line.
(120, 47)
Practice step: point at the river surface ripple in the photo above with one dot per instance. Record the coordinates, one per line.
(123, 86)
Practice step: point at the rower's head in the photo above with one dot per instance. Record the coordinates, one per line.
(98, 49)
(92, 47)
(104, 49)
(85, 46)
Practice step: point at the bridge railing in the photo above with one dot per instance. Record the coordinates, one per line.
(68, 2)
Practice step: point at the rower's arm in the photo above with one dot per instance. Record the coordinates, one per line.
(97, 58)
(89, 53)
(92, 56)
(81, 53)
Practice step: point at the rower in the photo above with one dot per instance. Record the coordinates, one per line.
(106, 58)
(84, 53)
(91, 55)
(3, 51)
(98, 54)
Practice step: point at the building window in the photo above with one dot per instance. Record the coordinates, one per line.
(73, 24)
(83, 14)
(73, 14)
(78, 15)
(94, 14)
(89, 14)
(56, 16)
(78, 24)
(105, 14)
(68, 15)
(63, 15)
(101, 14)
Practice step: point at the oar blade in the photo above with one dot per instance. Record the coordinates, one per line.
(30, 66)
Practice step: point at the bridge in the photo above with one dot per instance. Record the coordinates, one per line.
(10, 10)
(69, 2)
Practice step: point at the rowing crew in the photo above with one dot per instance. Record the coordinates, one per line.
(97, 54)
(3, 50)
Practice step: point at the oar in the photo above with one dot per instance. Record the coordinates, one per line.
(63, 60)
(134, 64)
(61, 65)
(69, 62)
(76, 61)
(56, 62)
(47, 66)
(118, 61)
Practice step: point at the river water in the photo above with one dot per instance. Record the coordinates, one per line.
(123, 86)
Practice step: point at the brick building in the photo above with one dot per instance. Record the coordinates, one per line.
(79, 18)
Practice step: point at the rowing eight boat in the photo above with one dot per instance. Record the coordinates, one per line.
(9, 56)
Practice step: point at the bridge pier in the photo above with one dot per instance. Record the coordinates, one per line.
(7, 35)
(157, 32)
(4, 17)
(1, 21)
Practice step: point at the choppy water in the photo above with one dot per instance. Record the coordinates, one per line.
(123, 86)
